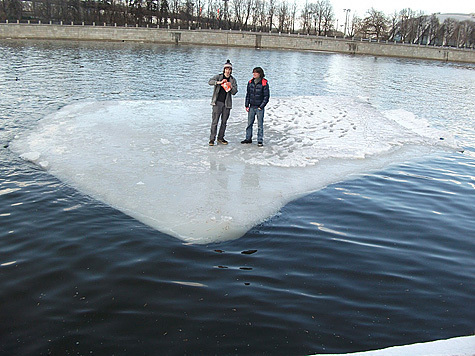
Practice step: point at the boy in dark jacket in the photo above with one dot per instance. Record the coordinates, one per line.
(257, 97)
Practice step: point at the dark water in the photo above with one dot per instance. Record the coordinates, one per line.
(380, 260)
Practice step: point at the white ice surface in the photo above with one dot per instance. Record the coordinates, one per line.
(151, 159)
(458, 346)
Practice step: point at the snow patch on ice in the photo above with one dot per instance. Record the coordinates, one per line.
(31, 156)
(151, 159)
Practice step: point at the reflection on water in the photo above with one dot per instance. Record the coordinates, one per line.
(379, 260)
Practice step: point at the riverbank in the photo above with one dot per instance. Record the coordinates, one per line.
(233, 39)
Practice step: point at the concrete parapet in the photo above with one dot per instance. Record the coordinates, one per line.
(81, 32)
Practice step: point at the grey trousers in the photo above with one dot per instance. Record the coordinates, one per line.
(219, 110)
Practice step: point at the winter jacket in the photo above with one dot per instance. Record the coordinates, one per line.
(257, 94)
(217, 78)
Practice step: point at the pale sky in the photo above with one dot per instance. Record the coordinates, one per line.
(388, 7)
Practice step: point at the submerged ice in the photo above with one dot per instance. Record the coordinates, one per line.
(150, 159)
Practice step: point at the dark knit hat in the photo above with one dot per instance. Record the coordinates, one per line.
(228, 64)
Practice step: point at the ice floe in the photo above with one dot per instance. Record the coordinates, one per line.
(151, 160)
(457, 346)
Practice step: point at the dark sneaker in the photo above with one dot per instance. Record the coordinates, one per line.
(222, 141)
(260, 144)
(211, 143)
(246, 141)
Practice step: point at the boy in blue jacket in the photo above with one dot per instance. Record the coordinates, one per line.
(257, 97)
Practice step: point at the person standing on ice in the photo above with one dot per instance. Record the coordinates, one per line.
(225, 85)
(257, 97)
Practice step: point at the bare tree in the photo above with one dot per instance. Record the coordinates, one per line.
(375, 23)
(10, 10)
(261, 10)
(406, 24)
(3, 10)
(420, 25)
(283, 16)
(248, 10)
(463, 33)
(352, 26)
(258, 17)
(137, 11)
(199, 11)
(163, 12)
(433, 29)
(271, 11)
(151, 10)
(212, 13)
(393, 24)
(316, 14)
(293, 16)
(239, 9)
(327, 17)
(359, 27)
(306, 17)
(187, 12)
(448, 29)
(174, 10)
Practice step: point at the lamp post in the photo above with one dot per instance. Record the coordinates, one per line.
(347, 11)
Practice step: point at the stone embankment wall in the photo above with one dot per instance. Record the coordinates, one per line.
(233, 39)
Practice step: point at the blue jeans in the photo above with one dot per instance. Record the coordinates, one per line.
(251, 116)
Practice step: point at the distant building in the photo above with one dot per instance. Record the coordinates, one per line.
(456, 17)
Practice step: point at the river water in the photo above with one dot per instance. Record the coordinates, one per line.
(380, 259)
